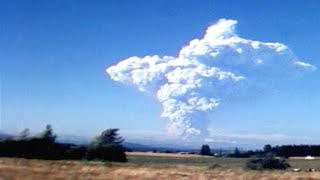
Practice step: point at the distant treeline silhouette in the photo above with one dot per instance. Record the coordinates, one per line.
(282, 151)
(296, 150)
(106, 146)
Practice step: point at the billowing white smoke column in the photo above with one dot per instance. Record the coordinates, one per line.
(220, 65)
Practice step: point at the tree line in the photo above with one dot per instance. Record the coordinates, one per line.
(281, 151)
(107, 147)
(296, 150)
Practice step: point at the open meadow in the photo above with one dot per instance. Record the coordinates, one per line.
(150, 166)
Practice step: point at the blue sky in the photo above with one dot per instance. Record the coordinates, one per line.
(54, 55)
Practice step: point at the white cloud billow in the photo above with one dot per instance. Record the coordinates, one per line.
(218, 66)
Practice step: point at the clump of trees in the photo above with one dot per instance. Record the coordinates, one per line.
(241, 154)
(267, 158)
(106, 146)
(281, 151)
(296, 150)
(205, 150)
(268, 161)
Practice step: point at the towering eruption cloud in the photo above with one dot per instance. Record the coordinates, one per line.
(221, 65)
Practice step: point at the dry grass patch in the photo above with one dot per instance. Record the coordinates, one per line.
(11, 168)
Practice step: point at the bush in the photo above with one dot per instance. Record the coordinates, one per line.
(111, 153)
(267, 162)
(255, 164)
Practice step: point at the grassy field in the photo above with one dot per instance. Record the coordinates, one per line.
(161, 159)
(149, 166)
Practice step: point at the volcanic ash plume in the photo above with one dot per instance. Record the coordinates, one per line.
(208, 70)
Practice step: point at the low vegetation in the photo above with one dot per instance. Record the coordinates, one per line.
(269, 161)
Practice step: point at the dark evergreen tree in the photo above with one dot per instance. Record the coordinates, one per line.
(48, 134)
(237, 152)
(108, 147)
(109, 137)
(267, 148)
(205, 150)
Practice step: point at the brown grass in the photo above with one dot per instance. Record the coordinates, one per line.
(11, 168)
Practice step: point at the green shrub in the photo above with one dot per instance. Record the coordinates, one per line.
(269, 161)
